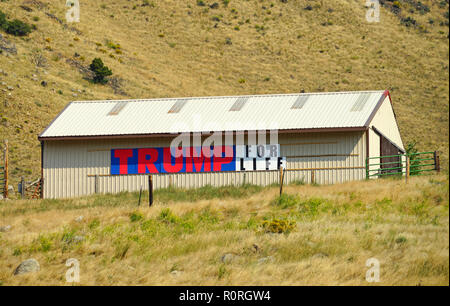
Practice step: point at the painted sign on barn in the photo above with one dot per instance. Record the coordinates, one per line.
(196, 159)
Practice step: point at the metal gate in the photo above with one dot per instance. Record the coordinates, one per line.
(411, 164)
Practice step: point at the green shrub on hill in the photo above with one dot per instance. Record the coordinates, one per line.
(100, 71)
(18, 28)
(278, 226)
(15, 27)
(3, 21)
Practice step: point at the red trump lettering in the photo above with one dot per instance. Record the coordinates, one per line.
(146, 160)
(196, 160)
(219, 160)
(167, 161)
(123, 156)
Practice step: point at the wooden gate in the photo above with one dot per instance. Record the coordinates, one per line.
(394, 159)
(30, 190)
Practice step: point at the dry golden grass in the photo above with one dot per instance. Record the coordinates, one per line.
(339, 227)
(174, 49)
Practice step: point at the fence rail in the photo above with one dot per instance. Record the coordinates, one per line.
(410, 164)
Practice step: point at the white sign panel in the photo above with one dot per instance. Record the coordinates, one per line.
(259, 158)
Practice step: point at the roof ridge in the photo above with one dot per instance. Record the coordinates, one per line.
(229, 97)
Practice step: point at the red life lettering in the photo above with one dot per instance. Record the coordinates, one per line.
(123, 156)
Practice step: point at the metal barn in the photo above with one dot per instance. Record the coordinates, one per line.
(322, 137)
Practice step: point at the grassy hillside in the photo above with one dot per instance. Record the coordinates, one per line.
(194, 48)
(329, 233)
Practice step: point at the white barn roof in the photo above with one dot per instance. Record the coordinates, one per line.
(206, 114)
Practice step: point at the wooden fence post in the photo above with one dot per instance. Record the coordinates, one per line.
(407, 168)
(437, 164)
(140, 194)
(367, 169)
(281, 180)
(22, 189)
(150, 190)
(42, 188)
(313, 177)
(96, 184)
(6, 170)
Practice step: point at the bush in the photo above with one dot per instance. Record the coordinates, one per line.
(285, 201)
(113, 45)
(409, 22)
(400, 240)
(94, 224)
(412, 149)
(3, 21)
(18, 28)
(396, 4)
(136, 216)
(278, 226)
(311, 206)
(166, 215)
(100, 71)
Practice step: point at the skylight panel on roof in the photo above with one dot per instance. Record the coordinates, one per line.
(360, 102)
(300, 102)
(239, 104)
(117, 108)
(177, 106)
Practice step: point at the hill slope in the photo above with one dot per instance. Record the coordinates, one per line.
(195, 48)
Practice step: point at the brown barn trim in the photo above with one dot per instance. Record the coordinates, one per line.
(393, 143)
(293, 131)
(377, 107)
(307, 143)
(42, 170)
(323, 155)
(367, 143)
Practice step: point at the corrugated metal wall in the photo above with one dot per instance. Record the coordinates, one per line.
(385, 122)
(71, 166)
(374, 151)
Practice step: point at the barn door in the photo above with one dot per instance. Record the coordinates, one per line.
(388, 149)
